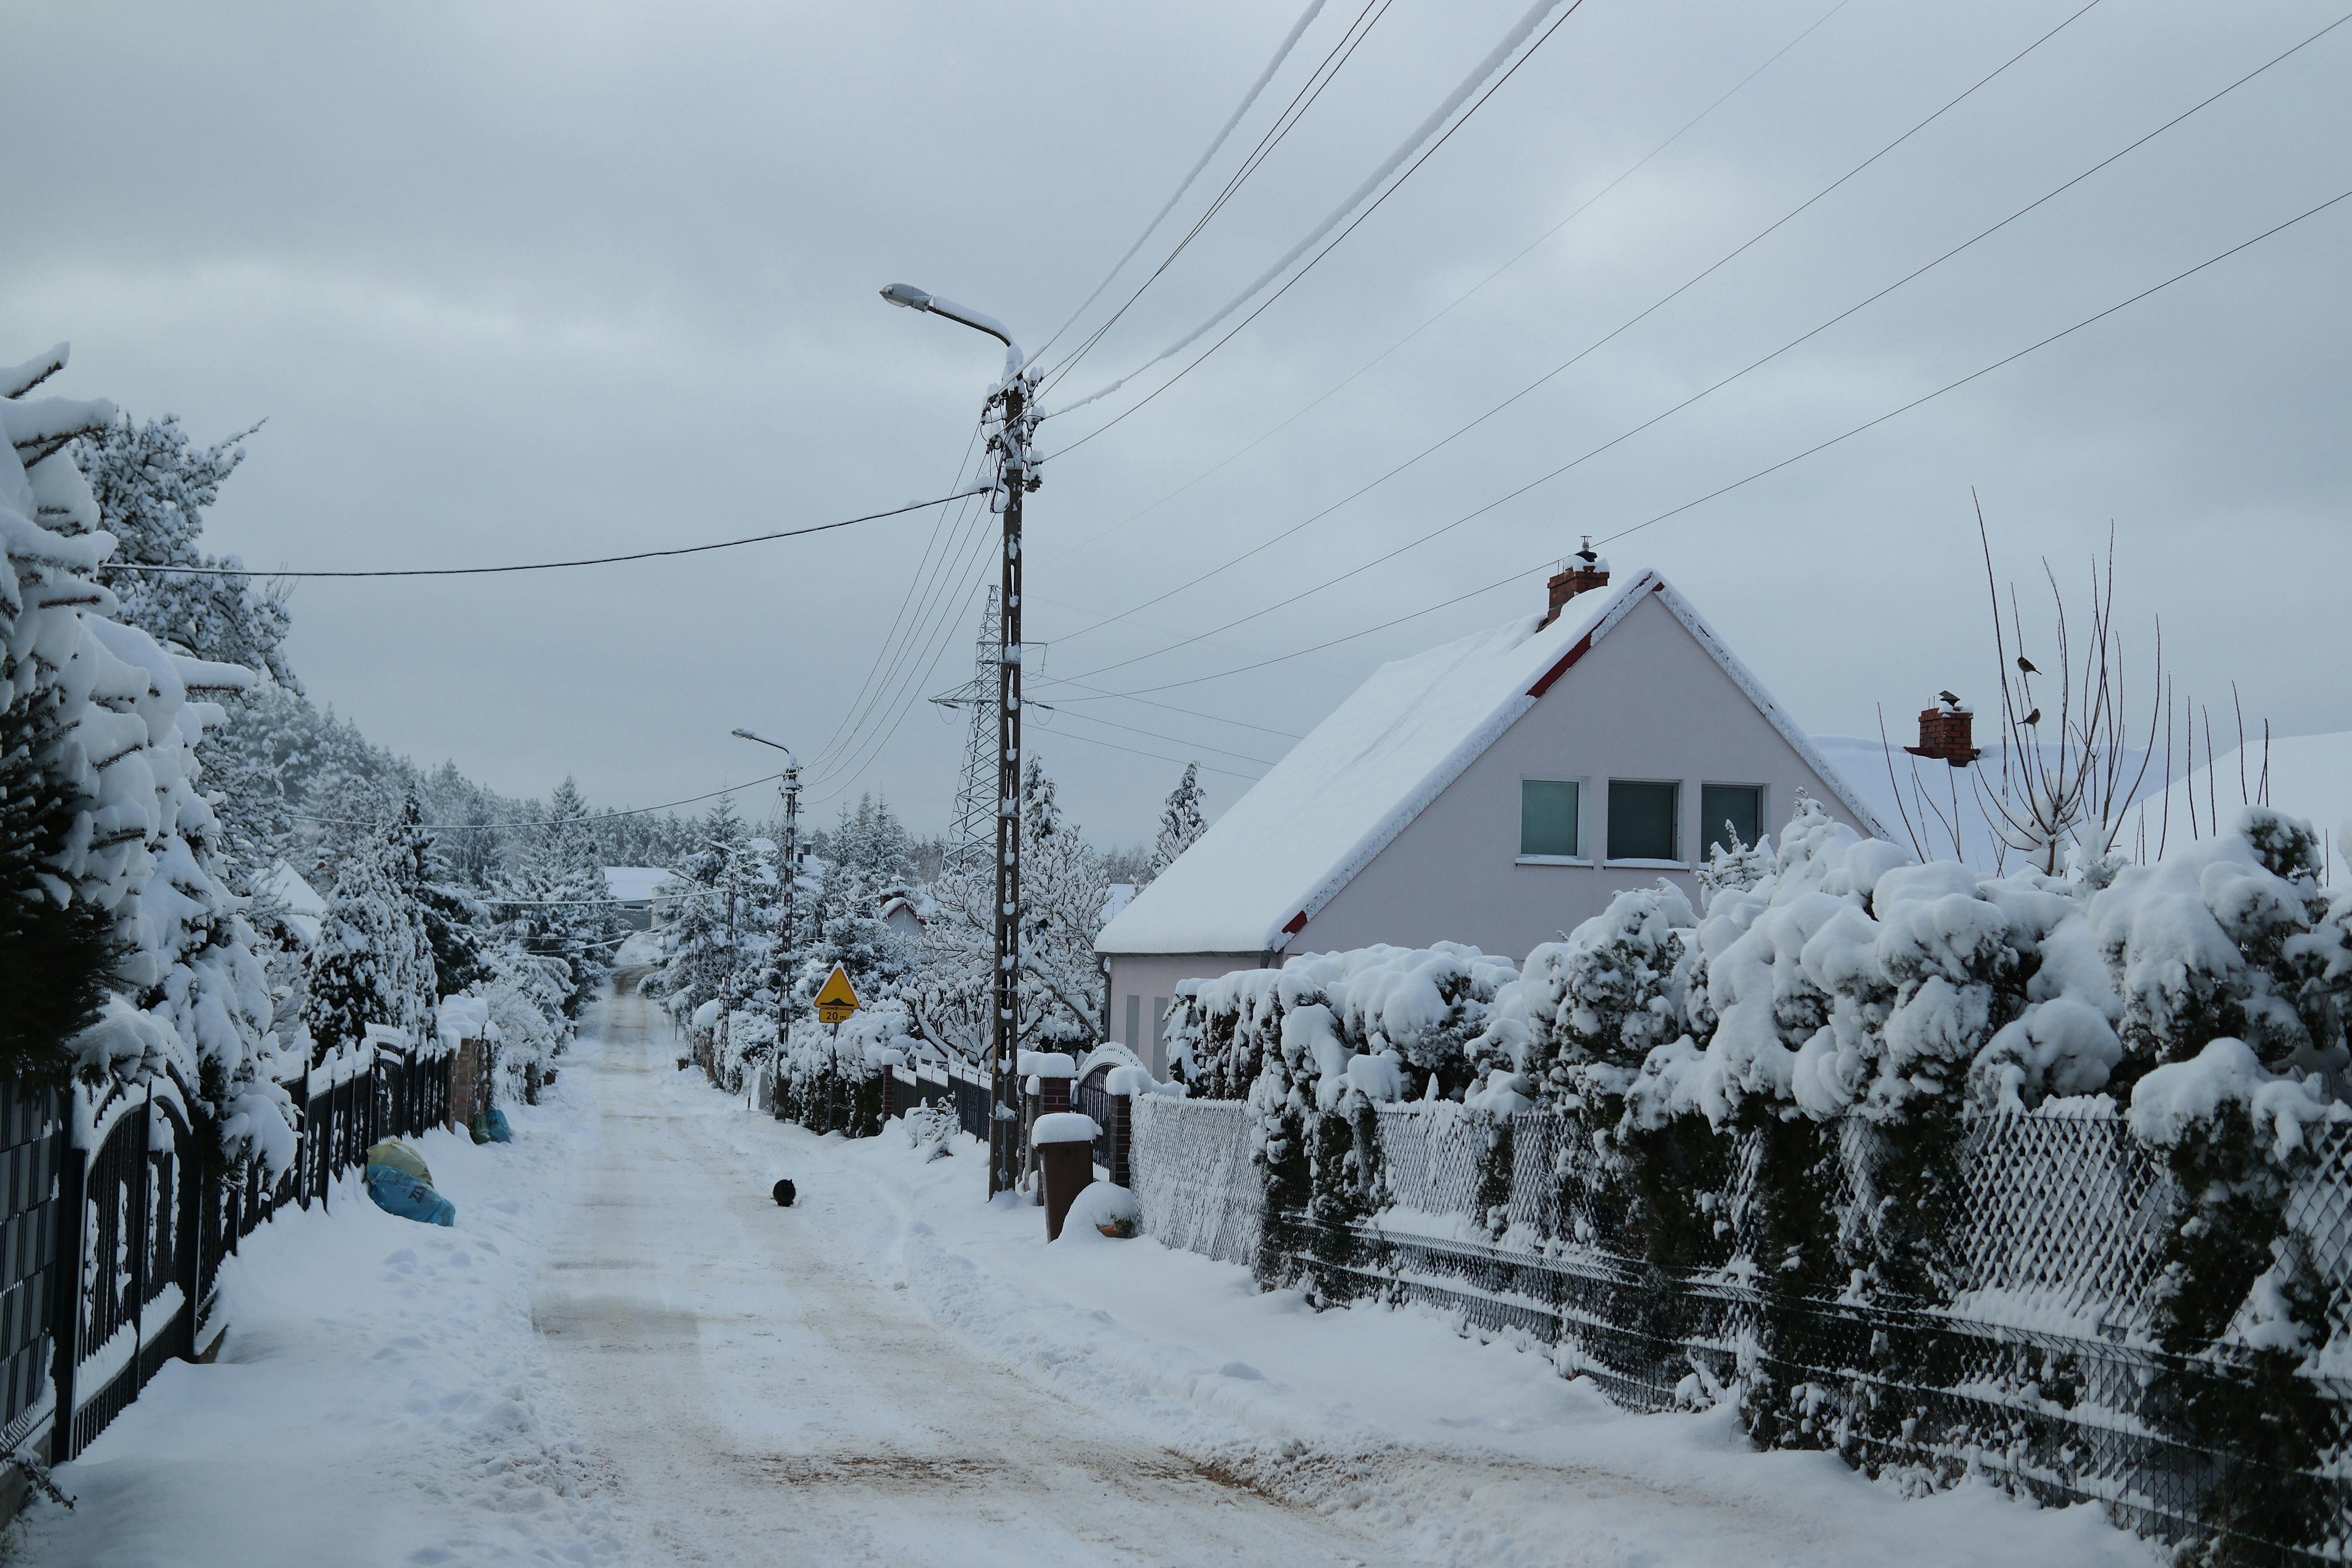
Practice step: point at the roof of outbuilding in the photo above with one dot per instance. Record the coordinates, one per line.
(1353, 782)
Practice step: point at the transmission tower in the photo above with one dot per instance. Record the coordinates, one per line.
(972, 838)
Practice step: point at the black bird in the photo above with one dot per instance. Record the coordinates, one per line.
(2026, 665)
(1951, 699)
(2034, 717)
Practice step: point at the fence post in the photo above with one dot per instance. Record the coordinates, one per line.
(65, 1288)
(1119, 1135)
(199, 1180)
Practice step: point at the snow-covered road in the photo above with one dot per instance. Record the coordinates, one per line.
(626, 1353)
(749, 1391)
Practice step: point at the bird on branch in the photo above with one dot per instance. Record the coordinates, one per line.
(2026, 665)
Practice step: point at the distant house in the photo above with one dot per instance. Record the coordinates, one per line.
(639, 891)
(302, 911)
(903, 915)
(1496, 791)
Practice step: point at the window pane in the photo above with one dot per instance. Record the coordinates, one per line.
(1547, 816)
(1741, 805)
(1642, 820)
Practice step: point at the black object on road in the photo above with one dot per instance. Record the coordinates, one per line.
(785, 1192)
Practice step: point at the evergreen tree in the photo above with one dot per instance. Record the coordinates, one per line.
(1180, 821)
(153, 485)
(715, 942)
(373, 961)
(56, 947)
(558, 897)
(451, 915)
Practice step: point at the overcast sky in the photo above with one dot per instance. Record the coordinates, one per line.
(515, 282)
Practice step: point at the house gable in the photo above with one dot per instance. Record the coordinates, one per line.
(1651, 696)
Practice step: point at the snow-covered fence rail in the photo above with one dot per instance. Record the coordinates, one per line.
(115, 1213)
(2040, 1372)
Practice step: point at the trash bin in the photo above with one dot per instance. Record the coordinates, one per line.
(1064, 1142)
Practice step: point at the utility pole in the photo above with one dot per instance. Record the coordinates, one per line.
(1015, 409)
(1017, 421)
(780, 964)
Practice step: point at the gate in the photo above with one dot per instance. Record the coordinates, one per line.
(32, 1147)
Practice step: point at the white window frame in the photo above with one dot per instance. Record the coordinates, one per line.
(1583, 818)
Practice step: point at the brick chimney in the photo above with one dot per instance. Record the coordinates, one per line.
(1947, 734)
(1578, 572)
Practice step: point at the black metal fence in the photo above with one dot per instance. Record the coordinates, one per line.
(911, 1087)
(115, 1213)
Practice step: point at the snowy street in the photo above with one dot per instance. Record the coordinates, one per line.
(624, 1353)
(749, 1391)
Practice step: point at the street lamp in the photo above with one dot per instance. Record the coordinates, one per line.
(1013, 405)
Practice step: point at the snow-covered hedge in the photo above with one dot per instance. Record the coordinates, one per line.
(186, 995)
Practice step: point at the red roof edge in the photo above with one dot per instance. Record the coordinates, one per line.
(1298, 923)
(1583, 646)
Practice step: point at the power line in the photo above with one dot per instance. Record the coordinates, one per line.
(545, 566)
(1657, 418)
(1154, 735)
(1486, 66)
(1578, 211)
(1160, 756)
(1774, 469)
(1588, 349)
(1281, 53)
(1304, 99)
(1170, 706)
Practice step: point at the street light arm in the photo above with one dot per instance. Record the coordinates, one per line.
(914, 298)
(762, 740)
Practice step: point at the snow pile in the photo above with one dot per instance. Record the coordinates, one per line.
(190, 999)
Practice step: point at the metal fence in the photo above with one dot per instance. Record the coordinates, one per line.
(2044, 1373)
(115, 1213)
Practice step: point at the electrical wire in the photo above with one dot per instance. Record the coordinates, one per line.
(1529, 249)
(1774, 469)
(1657, 418)
(543, 822)
(1541, 7)
(545, 566)
(1154, 735)
(1594, 346)
(1304, 99)
(1281, 53)
(1138, 751)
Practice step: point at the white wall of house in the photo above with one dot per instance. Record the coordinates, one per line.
(1140, 987)
(1647, 703)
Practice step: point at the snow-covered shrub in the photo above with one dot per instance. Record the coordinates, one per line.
(932, 1128)
(829, 1078)
(109, 722)
(372, 963)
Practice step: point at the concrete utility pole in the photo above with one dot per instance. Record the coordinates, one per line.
(1013, 407)
(789, 786)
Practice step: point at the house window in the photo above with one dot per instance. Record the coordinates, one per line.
(1739, 807)
(1641, 819)
(1548, 810)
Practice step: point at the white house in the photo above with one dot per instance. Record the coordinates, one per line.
(1496, 791)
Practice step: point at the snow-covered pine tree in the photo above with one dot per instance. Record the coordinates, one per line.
(373, 961)
(1180, 821)
(153, 485)
(56, 948)
(453, 916)
(187, 995)
(1062, 896)
(714, 938)
(559, 909)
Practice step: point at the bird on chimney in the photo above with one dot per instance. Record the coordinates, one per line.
(1951, 699)
(2026, 665)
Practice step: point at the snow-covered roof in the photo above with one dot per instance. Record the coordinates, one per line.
(2310, 777)
(1354, 782)
(634, 884)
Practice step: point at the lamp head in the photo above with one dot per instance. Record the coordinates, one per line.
(909, 296)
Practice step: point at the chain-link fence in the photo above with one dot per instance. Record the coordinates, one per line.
(2038, 1372)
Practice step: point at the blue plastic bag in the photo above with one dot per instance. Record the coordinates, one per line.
(494, 1122)
(396, 1191)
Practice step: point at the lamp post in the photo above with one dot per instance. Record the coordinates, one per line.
(1013, 406)
(790, 788)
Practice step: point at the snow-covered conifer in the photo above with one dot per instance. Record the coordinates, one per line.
(373, 961)
(1180, 821)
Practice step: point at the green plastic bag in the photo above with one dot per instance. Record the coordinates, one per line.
(480, 1128)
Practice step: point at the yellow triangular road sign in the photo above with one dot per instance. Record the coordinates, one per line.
(839, 999)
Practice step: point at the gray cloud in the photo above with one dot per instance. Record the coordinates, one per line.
(521, 282)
